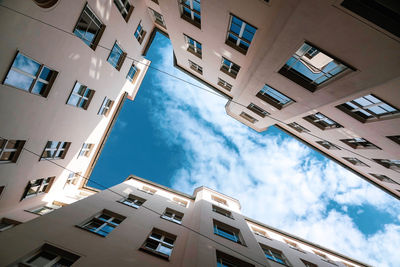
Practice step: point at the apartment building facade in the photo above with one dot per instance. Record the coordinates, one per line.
(141, 223)
(67, 67)
(326, 72)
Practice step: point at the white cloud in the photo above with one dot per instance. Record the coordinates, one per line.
(286, 186)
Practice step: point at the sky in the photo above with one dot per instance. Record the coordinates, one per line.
(180, 136)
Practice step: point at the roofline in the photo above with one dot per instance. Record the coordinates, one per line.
(305, 241)
(205, 187)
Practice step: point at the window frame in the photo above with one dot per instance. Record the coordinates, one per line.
(194, 49)
(105, 107)
(257, 110)
(305, 82)
(103, 223)
(389, 163)
(268, 97)
(248, 117)
(36, 78)
(297, 127)
(19, 145)
(139, 33)
(224, 84)
(228, 232)
(357, 143)
(355, 161)
(42, 185)
(192, 17)
(272, 251)
(195, 67)
(132, 201)
(60, 254)
(86, 149)
(72, 178)
(222, 211)
(121, 58)
(328, 145)
(174, 215)
(100, 31)
(56, 150)
(123, 6)
(240, 36)
(374, 117)
(135, 74)
(7, 224)
(87, 95)
(230, 69)
(224, 259)
(161, 242)
(321, 123)
(158, 18)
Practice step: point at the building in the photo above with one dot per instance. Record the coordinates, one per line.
(60, 95)
(141, 223)
(326, 72)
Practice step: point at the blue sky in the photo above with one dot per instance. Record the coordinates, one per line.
(180, 136)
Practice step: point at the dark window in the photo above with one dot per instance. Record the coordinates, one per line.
(117, 56)
(227, 232)
(247, 117)
(222, 211)
(385, 14)
(297, 127)
(274, 97)
(159, 243)
(369, 108)
(158, 18)
(6, 224)
(10, 150)
(133, 201)
(308, 264)
(190, 11)
(240, 34)
(256, 109)
(229, 68)
(225, 260)
(80, 96)
(89, 28)
(140, 33)
(195, 67)
(355, 161)
(172, 215)
(125, 8)
(328, 145)
(274, 255)
(55, 150)
(193, 46)
(384, 178)
(38, 187)
(393, 164)
(224, 84)
(395, 138)
(310, 67)
(30, 75)
(359, 143)
(49, 255)
(322, 122)
(103, 223)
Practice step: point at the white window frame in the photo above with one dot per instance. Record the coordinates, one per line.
(86, 150)
(240, 36)
(133, 201)
(40, 188)
(224, 84)
(174, 215)
(55, 150)
(140, 33)
(161, 242)
(192, 11)
(104, 223)
(193, 47)
(123, 4)
(195, 67)
(4, 149)
(105, 106)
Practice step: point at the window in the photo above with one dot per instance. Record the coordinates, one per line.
(225, 260)
(193, 46)
(227, 232)
(140, 33)
(384, 178)
(125, 8)
(224, 84)
(297, 127)
(195, 67)
(37, 187)
(219, 200)
(369, 108)
(324, 257)
(259, 232)
(89, 28)
(133, 201)
(179, 201)
(49, 255)
(133, 73)
(355, 161)
(173, 216)
(158, 18)
(72, 178)
(45, 209)
(105, 107)
(103, 223)
(117, 56)
(395, 138)
(190, 11)
(240, 34)
(328, 145)
(155, 1)
(10, 150)
(308, 264)
(80, 96)
(359, 143)
(256, 109)
(86, 149)
(222, 211)
(310, 67)
(273, 97)
(274, 255)
(293, 245)
(229, 68)
(55, 150)
(30, 75)
(1, 190)
(247, 117)
(321, 121)
(384, 14)
(159, 243)
(6, 224)
(148, 190)
(389, 163)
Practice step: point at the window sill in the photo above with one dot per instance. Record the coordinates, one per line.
(167, 219)
(237, 48)
(134, 207)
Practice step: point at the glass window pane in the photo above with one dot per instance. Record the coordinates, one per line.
(18, 80)
(165, 250)
(42, 259)
(45, 74)
(39, 88)
(26, 64)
